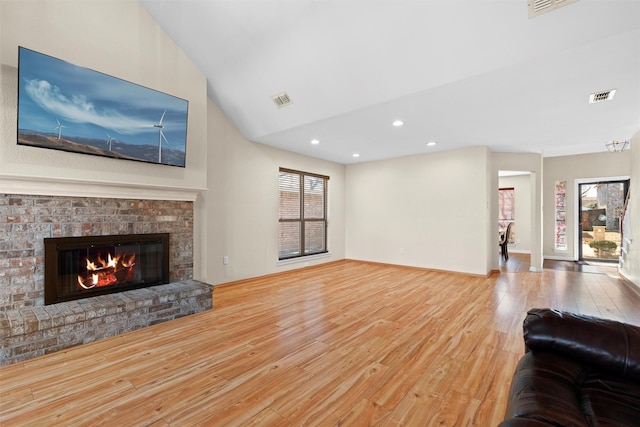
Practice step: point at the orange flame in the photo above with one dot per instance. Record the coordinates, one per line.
(107, 272)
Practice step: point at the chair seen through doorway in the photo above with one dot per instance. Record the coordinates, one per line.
(504, 241)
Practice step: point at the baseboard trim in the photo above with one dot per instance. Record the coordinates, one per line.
(278, 273)
(559, 258)
(628, 282)
(461, 273)
(516, 251)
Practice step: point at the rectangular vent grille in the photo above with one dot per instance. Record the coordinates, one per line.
(538, 7)
(281, 100)
(602, 96)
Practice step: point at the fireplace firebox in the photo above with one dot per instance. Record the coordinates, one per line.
(81, 267)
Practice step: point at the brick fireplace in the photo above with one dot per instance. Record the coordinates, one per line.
(26, 220)
(28, 328)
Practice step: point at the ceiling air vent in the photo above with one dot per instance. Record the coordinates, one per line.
(281, 100)
(601, 96)
(538, 7)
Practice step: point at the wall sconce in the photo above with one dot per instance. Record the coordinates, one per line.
(615, 146)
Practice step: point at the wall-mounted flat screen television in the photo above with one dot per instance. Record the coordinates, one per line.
(71, 108)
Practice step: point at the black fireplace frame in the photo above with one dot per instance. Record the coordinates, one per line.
(53, 245)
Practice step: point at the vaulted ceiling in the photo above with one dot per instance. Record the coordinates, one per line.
(457, 72)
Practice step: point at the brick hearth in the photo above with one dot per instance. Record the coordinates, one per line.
(29, 332)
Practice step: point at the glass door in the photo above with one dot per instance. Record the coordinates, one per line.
(600, 207)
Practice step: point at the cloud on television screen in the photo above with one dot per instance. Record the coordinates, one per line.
(80, 109)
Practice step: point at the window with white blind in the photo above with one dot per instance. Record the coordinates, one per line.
(302, 227)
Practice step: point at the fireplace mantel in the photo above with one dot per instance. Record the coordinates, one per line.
(41, 186)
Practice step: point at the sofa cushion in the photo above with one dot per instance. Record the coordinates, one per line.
(545, 388)
(552, 390)
(604, 344)
(610, 401)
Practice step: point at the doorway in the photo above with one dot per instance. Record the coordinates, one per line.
(600, 205)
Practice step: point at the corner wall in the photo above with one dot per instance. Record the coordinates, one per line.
(631, 267)
(241, 206)
(427, 211)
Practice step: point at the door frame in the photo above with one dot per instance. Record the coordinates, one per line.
(577, 235)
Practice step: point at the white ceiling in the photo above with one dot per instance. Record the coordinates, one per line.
(460, 72)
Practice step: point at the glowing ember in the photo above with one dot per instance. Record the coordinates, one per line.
(112, 271)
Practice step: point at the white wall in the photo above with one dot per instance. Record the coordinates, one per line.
(570, 168)
(241, 205)
(426, 211)
(631, 267)
(117, 38)
(522, 189)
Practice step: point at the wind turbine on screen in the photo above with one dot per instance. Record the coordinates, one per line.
(109, 140)
(59, 128)
(161, 136)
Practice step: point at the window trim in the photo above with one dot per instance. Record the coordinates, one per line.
(303, 221)
(303, 258)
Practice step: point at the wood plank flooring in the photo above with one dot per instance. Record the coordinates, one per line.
(346, 343)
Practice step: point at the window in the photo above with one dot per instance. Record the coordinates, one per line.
(561, 216)
(506, 207)
(302, 227)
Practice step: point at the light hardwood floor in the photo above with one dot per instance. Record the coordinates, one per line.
(346, 343)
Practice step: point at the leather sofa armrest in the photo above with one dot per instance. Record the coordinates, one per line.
(602, 343)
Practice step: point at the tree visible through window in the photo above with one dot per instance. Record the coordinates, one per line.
(302, 226)
(507, 207)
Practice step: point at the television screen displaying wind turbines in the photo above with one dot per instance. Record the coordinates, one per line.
(71, 108)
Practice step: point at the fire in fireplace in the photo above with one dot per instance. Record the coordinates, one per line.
(115, 269)
(79, 267)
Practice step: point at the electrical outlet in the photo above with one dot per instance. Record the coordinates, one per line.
(225, 260)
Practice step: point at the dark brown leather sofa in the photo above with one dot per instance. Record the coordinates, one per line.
(576, 371)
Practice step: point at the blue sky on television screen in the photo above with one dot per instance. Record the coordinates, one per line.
(62, 99)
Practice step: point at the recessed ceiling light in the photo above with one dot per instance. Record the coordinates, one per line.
(315, 141)
(431, 143)
(397, 123)
(356, 155)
